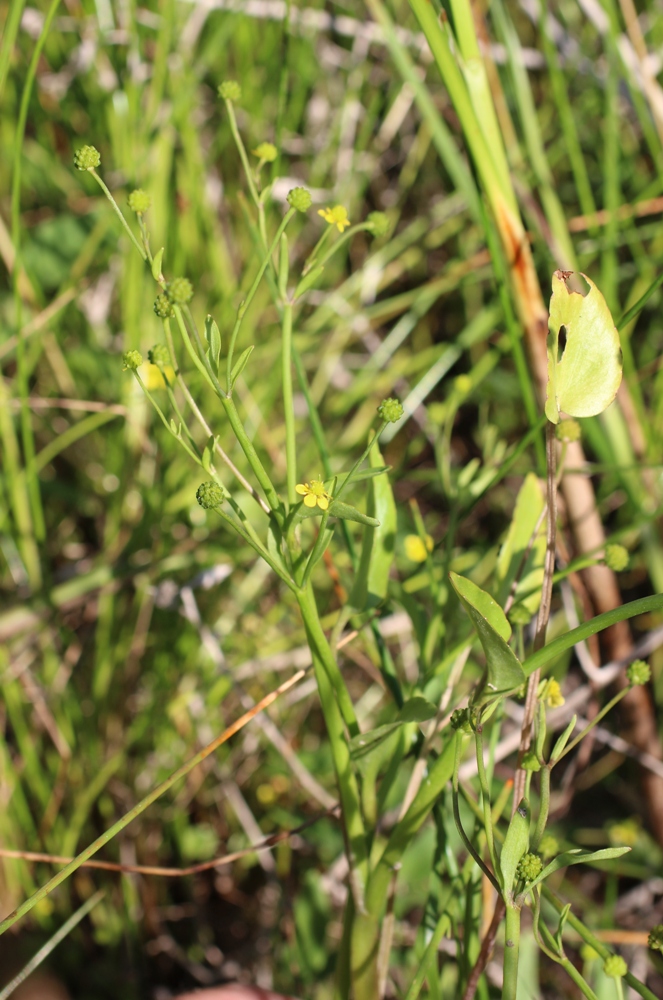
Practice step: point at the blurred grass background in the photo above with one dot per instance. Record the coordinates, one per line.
(142, 627)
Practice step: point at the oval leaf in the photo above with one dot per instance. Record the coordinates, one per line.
(156, 264)
(583, 379)
(515, 845)
(213, 338)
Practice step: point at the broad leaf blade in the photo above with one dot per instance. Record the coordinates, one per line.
(520, 556)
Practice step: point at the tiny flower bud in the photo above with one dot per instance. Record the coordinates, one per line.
(639, 672)
(179, 291)
(530, 762)
(529, 867)
(616, 557)
(139, 201)
(460, 719)
(230, 90)
(162, 306)
(568, 430)
(390, 410)
(131, 360)
(548, 846)
(300, 199)
(615, 967)
(86, 158)
(266, 151)
(378, 223)
(210, 495)
(463, 384)
(655, 939)
(159, 355)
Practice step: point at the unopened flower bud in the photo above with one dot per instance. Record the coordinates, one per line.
(266, 151)
(378, 223)
(391, 410)
(300, 199)
(548, 845)
(87, 158)
(210, 495)
(131, 360)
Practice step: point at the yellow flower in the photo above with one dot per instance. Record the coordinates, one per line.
(314, 493)
(337, 216)
(415, 550)
(554, 697)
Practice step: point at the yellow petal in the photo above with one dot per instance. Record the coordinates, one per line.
(301, 489)
(323, 503)
(310, 500)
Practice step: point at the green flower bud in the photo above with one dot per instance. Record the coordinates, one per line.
(548, 846)
(520, 614)
(615, 967)
(655, 939)
(86, 158)
(529, 867)
(179, 291)
(460, 719)
(159, 355)
(139, 201)
(230, 90)
(163, 307)
(390, 410)
(568, 430)
(210, 495)
(639, 672)
(616, 557)
(530, 762)
(266, 151)
(131, 360)
(379, 224)
(300, 199)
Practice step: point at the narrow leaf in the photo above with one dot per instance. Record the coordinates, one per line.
(417, 709)
(213, 338)
(347, 513)
(207, 456)
(378, 544)
(156, 264)
(577, 856)
(515, 844)
(240, 365)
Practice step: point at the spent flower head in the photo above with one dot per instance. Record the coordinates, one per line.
(266, 151)
(163, 307)
(179, 291)
(568, 430)
(336, 216)
(131, 360)
(390, 410)
(530, 867)
(87, 158)
(655, 939)
(378, 224)
(210, 495)
(139, 201)
(315, 494)
(638, 672)
(615, 966)
(616, 557)
(299, 199)
(230, 90)
(159, 355)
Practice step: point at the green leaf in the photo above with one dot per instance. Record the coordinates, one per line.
(156, 264)
(360, 476)
(378, 544)
(585, 379)
(558, 749)
(417, 709)
(516, 548)
(515, 845)
(577, 856)
(504, 672)
(240, 365)
(213, 338)
(208, 455)
(347, 513)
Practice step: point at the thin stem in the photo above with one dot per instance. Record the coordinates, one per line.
(317, 550)
(544, 807)
(348, 479)
(485, 797)
(288, 403)
(458, 749)
(193, 354)
(595, 721)
(242, 152)
(118, 212)
(202, 353)
(252, 456)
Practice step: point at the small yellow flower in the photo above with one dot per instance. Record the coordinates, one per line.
(415, 550)
(314, 493)
(553, 695)
(337, 216)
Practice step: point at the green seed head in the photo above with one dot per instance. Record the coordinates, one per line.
(639, 672)
(180, 291)
(159, 355)
(379, 224)
(86, 158)
(163, 307)
(139, 201)
(616, 557)
(548, 846)
(390, 410)
(530, 867)
(460, 719)
(530, 762)
(266, 151)
(568, 430)
(131, 360)
(230, 90)
(655, 939)
(300, 199)
(615, 967)
(210, 495)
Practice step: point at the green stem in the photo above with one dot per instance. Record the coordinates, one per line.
(511, 949)
(242, 152)
(485, 797)
(567, 965)
(251, 455)
(348, 479)
(319, 547)
(459, 826)
(544, 807)
(193, 354)
(118, 212)
(288, 404)
(595, 721)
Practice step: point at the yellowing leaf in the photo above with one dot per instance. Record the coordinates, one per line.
(583, 379)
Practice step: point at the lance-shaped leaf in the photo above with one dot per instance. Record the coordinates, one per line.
(577, 856)
(515, 845)
(503, 670)
(584, 377)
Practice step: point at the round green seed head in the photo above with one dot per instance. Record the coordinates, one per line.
(390, 410)
(139, 201)
(616, 557)
(530, 762)
(159, 355)
(179, 291)
(548, 845)
(639, 672)
(655, 939)
(530, 867)
(131, 360)
(615, 967)
(210, 495)
(460, 719)
(266, 151)
(87, 158)
(163, 307)
(568, 430)
(230, 90)
(379, 224)
(300, 199)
